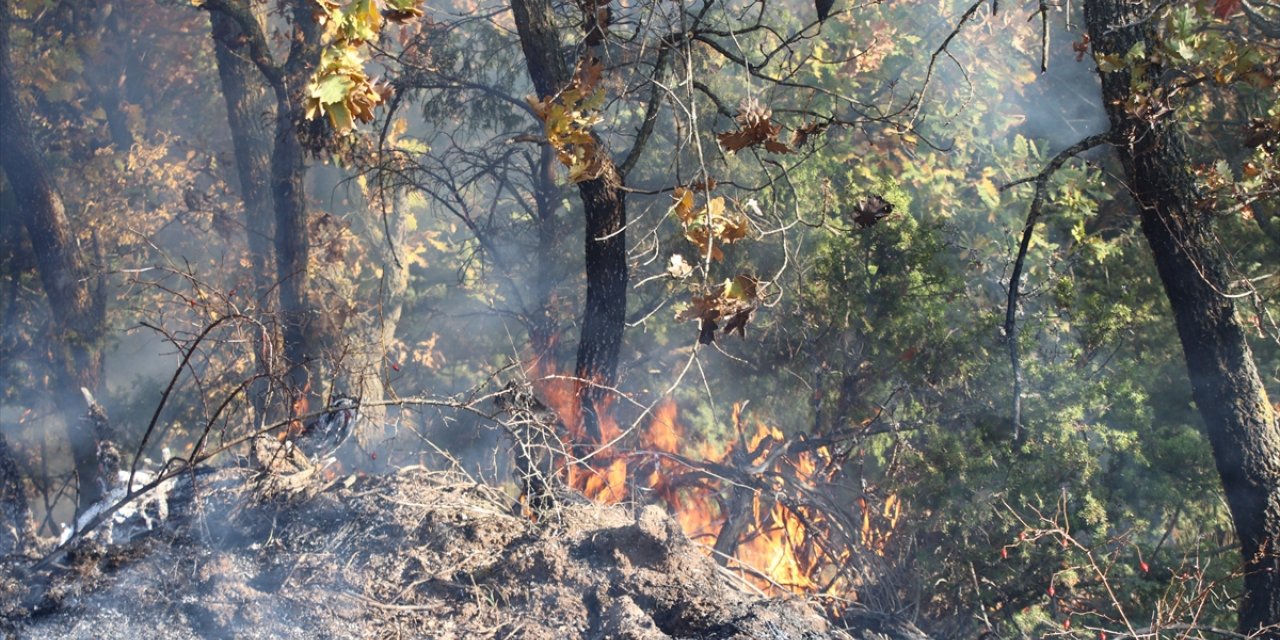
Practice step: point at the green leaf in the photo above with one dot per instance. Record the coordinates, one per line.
(331, 89)
(340, 116)
(1137, 53)
(989, 193)
(1109, 63)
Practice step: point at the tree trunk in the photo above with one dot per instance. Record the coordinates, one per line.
(308, 337)
(78, 311)
(16, 530)
(543, 327)
(372, 333)
(100, 48)
(604, 207)
(1227, 388)
(288, 169)
(249, 110)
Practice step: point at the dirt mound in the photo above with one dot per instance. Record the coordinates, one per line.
(408, 555)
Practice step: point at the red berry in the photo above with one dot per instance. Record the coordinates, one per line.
(1004, 553)
(1051, 591)
(1143, 565)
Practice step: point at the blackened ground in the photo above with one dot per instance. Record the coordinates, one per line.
(407, 555)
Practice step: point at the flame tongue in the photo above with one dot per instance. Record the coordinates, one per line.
(777, 542)
(593, 466)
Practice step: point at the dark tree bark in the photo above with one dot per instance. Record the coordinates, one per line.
(250, 111)
(16, 530)
(99, 43)
(77, 308)
(542, 324)
(307, 336)
(604, 207)
(1240, 423)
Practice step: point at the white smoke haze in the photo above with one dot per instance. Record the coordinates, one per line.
(449, 252)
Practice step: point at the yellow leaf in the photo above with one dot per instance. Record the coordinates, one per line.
(684, 203)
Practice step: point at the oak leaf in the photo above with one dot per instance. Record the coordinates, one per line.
(755, 127)
(801, 136)
(732, 301)
(871, 210)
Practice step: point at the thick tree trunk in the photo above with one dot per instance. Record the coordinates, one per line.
(78, 310)
(1240, 423)
(249, 112)
(604, 207)
(308, 338)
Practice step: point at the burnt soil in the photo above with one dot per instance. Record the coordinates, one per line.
(411, 554)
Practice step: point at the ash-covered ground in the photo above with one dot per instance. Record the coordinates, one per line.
(411, 554)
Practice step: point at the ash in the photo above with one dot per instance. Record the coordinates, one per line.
(412, 554)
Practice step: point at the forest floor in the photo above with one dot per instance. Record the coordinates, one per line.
(411, 554)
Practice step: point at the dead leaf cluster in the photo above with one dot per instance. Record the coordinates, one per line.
(732, 302)
(870, 210)
(755, 127)
(711, 225)
(568, 118)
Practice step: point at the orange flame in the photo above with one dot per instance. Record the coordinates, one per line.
(784, 546)
(300, 407)
(603, 475)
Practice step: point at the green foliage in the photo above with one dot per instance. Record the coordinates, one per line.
(885, 337)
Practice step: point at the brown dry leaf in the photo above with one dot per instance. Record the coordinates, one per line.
(733, 301)
(589, 74)
(704, 185)
(710, 226)
(801, 136)
(871, 210)
(684, 204)
(541, 107)
(402, 11)
(697, 234)
(677, 267)
(1081, 47)
(773, 146)
(755, 127)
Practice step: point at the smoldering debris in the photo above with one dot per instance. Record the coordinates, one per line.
(409, 554)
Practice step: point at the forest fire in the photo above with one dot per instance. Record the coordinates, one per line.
(743, 501)
(599, 473)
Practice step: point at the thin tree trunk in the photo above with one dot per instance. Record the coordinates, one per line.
(78, 310)
(1227, 388)
(373, 333)
(104, 66)
(604, 207)
(249, 110)
(542, 326)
